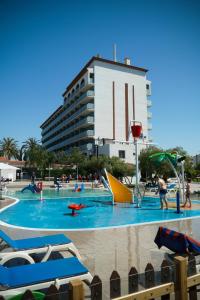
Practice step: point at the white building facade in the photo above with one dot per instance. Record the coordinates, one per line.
(97, 109)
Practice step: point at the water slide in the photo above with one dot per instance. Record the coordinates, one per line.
(105, 183)
(120, 192)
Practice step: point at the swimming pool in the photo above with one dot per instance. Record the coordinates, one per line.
(59, 193)
(53, 212)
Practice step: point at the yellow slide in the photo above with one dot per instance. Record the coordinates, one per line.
(120, 192)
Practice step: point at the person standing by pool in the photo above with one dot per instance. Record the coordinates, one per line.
(188, 193)
(162, 190)
(33, 178)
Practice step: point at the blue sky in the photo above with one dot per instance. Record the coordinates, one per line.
(44, 44)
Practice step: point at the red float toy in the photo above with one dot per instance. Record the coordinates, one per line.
(74, 207)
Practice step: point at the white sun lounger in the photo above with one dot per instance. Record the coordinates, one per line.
(36, 245)
(16, 280)
(171, 188)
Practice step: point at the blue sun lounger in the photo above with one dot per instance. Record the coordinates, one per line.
(36, 245)
(16, 280)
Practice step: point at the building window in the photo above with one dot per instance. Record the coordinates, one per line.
(147, 86)
(121, 153)
(82, 82)
(91, 78)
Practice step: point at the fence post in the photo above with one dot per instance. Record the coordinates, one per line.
(191, 265)
(27, 295)
(149, 276)
(165, 276)
(115, 285)
(76, 290)
(52, 293)
(133, 280)
(181, 278)
(96, 288)
(192, 271)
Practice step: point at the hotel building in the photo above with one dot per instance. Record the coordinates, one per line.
(97, 108)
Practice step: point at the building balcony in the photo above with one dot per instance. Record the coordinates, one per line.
(81, 136)
(148, 92)
(149, 115)
(84, 98)
(86, 134)
(150, 140)
(84, 86)
(91, 81)
(84, 110)
(148, 88)
(149, 103)
(80, 124)
(86, 147)
(149, 126)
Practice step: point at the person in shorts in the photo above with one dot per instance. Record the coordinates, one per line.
(188, 193)
(162, 190)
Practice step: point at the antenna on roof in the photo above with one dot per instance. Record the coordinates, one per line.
(115, 52)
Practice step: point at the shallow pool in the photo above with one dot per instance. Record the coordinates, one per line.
(53, 211)
(59, 193)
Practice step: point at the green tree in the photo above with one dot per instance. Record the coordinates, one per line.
(43, 159)
(21, 153)
(76, 156)
(197, 167)
(147, 167)
(31, 143)
(96, 165)
(39, 159)
(28, 149)
(8, 147)
(188, 164)
(32, 157)
(120, 169)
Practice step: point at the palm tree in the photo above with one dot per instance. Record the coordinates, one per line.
(21, 153)
(40, 159)
(29, 149)
(31, 143)
(8, 147)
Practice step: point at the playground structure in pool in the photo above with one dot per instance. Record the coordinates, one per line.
(33, 188)
(120, 193)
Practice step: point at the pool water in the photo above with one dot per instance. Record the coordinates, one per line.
(53, 211)
(59, 193)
